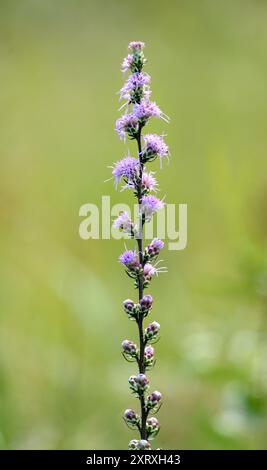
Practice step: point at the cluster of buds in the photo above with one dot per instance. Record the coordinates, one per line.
(140, 265)
(134, 311)
(138, 384)
(131, 309)
(142, 444)
(129, 349)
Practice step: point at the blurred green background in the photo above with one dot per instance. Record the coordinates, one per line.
(63, 382)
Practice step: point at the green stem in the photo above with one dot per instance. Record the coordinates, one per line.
(142, 429)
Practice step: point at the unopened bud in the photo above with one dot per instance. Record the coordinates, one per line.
(152, 330)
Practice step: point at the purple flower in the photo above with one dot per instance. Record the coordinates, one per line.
(136, 45)
(154, 147)
(127, 125)
(131, 416)
(150, 205)
(127, 168)
(128, 347)
(123, 222)
(147, 109)
(146, 303)
(149, 270)
(127, 63)
(154, 248)
(133, 90)
(149, 182)
(129, 258)
(152, 330)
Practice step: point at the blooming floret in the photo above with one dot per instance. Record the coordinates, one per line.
(136, 45)
(128, 258)
(147, 109)
(135, 87)
(150, 205)
(154, 147)
(124, 223)
(127, 63)
(126, 169)
(149, 182)
(127, 125)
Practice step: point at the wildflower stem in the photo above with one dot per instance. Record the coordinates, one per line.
(141, 287)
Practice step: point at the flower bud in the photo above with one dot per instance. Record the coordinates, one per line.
(133, 444)
(152, 426)
(143, 445)
(149, 355)
(130, 308)
(152, 330)
(139, 383)
(146, 303)
(128, 347)
(131, 417)
(153, 399)
(154, 248)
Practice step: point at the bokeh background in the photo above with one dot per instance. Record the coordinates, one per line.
(63, 382)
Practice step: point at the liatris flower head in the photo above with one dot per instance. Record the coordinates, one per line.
(128, 347)
(149, 271)
(147, 109)
(136, 45)
(131, 309)
(141, 265)
(151, 331)
(146, 303)
(150, 205)
(149, 355)
(127, 63)
(136, 87)
(127, 125)
(130, 259)
(138, 383)
(149, 182)
(152, 427)
(127, 169)
(154, 248)
(153, 400)
(124, 223)
(131, 417)
(154, 147)
(136, 60)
